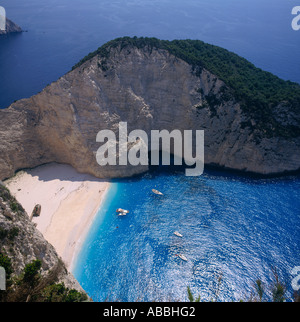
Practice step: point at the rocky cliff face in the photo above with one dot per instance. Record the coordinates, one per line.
(11, 27)
(151, 90)
(23, 243)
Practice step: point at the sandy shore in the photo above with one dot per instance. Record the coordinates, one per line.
(69, 201)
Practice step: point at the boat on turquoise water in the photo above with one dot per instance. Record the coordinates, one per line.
(120, 210)
(122, 213)
(182, 257)
(177, 234)
(157, 192)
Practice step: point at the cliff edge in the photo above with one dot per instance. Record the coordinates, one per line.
(34, 271)
(251, 118)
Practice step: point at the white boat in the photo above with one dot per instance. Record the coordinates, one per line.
(177, 234)
(122, 214)
(182, 257)
(157, 192)
(122, 210)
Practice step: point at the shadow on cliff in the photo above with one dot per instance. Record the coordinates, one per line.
(62, 172)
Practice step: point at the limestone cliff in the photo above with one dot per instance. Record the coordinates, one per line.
(11, 27)
(20, 244)
(150, 88)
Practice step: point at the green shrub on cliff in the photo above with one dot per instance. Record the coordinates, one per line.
(60, 293)
(31, 271)
(30, 286)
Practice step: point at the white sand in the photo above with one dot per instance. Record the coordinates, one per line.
(69, 201)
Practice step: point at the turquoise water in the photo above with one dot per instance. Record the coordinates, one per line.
(235, 227)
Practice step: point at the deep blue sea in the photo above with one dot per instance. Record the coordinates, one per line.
(61, 32)
(235, 229)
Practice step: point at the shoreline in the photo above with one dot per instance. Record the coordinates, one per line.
(69, 203)
(84, 233)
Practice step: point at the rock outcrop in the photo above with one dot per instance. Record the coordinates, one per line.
(11, 27)
(23, 243)
(150, 90)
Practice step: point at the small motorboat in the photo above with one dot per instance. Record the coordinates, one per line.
(122, 210)
(177, 234)
(157, 192)
(122, 213)
(181, 257)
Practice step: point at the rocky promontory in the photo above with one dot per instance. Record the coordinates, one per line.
(251, 118)
(34, 271)
(11, 27)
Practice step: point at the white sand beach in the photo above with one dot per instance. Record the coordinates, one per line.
(69, 201)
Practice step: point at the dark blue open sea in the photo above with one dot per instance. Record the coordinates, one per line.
(61, 32)
(235, 229)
